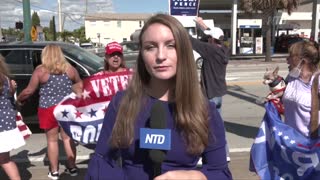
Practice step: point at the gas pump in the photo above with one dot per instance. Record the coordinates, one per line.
(248, 31)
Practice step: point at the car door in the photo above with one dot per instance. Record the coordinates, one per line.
(21, 65)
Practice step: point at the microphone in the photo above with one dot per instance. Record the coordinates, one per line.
(156, 138)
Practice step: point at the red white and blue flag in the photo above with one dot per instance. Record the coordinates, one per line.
(82, 117)
(281, 152)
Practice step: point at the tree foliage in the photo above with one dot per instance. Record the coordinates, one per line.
(263, 5)
(35, 19)
(268, 8)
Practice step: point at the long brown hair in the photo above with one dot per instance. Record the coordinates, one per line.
(53, 59)
(191, 107)
(4, 72)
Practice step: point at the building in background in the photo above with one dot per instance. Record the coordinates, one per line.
(243, 38)
(103, 28)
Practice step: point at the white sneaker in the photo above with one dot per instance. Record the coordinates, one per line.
(53, 175)
(71, 171)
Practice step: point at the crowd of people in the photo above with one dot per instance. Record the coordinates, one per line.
(165, 79)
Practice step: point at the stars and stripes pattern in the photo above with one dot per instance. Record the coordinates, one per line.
(57, 87)
(82, 118)
(23, 128)
(7, 112)
(281, 152)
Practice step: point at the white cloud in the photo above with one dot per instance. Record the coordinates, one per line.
(73, 11)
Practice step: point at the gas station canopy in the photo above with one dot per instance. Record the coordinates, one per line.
(216, 4)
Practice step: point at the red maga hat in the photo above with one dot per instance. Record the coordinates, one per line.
(113, 47)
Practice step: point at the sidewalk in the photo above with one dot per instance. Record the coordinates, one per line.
(257, 59)
(36, 171)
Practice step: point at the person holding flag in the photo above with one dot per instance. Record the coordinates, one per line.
(290, 149)
(113, 62)
(55, 77)
(303, 63)
(81, 113)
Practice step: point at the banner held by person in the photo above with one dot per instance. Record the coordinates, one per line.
(281, 152)
(82, 118)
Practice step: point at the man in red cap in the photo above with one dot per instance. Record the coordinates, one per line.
(114, 61)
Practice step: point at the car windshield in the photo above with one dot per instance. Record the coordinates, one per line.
(85, 57)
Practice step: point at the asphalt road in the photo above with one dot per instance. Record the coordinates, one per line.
(241, 112)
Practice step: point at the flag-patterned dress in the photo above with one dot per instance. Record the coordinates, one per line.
(57, 87)
(10, 136)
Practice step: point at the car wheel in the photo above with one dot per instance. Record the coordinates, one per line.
(199, 62)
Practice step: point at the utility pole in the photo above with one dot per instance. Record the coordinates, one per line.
(86, 7)
(26, 20)
(60, 16)
(315, 20)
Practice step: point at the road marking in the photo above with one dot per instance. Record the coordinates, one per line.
(45, 158)
(236, 150)
(244, 83)
(231, 78)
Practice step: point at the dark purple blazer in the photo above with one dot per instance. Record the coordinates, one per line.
(135, 164)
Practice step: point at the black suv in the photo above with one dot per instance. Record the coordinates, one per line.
(23, 57)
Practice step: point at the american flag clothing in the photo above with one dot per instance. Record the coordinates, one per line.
(7, 111)
(10, 136)
(54, 90)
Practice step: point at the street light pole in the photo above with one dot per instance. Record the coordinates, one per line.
(315, 19)
(26, 20)
(60, 16)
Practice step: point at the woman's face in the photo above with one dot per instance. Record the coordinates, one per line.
(159, 52)
(114, 60)
(293, 61)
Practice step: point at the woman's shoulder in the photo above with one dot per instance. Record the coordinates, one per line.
(41, 70)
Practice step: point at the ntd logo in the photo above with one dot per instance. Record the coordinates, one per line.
(155, 138)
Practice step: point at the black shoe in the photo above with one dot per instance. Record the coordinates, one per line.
(71, 171)
(53, 175)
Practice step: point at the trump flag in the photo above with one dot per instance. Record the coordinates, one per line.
(281, 152)
(82, 117)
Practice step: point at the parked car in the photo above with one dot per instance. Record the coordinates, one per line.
(130, 52)
(198, 59)
(284, 42)
(23, 57)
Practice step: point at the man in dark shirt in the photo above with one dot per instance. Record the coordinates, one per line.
(215, 59)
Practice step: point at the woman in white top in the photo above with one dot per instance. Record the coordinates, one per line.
(303, 63)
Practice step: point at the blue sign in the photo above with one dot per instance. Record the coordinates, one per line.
(184, 7)
(155, 138)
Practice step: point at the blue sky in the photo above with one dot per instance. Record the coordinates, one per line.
(74, 10)
(145, 6)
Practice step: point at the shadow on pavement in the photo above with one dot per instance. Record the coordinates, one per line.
(239, 92)
(29, 171)
(241, 130)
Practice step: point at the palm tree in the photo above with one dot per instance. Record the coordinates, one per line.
(268, 9)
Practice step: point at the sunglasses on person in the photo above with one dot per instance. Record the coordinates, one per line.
(119, 54)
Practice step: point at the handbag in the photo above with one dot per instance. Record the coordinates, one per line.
(23, 128)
